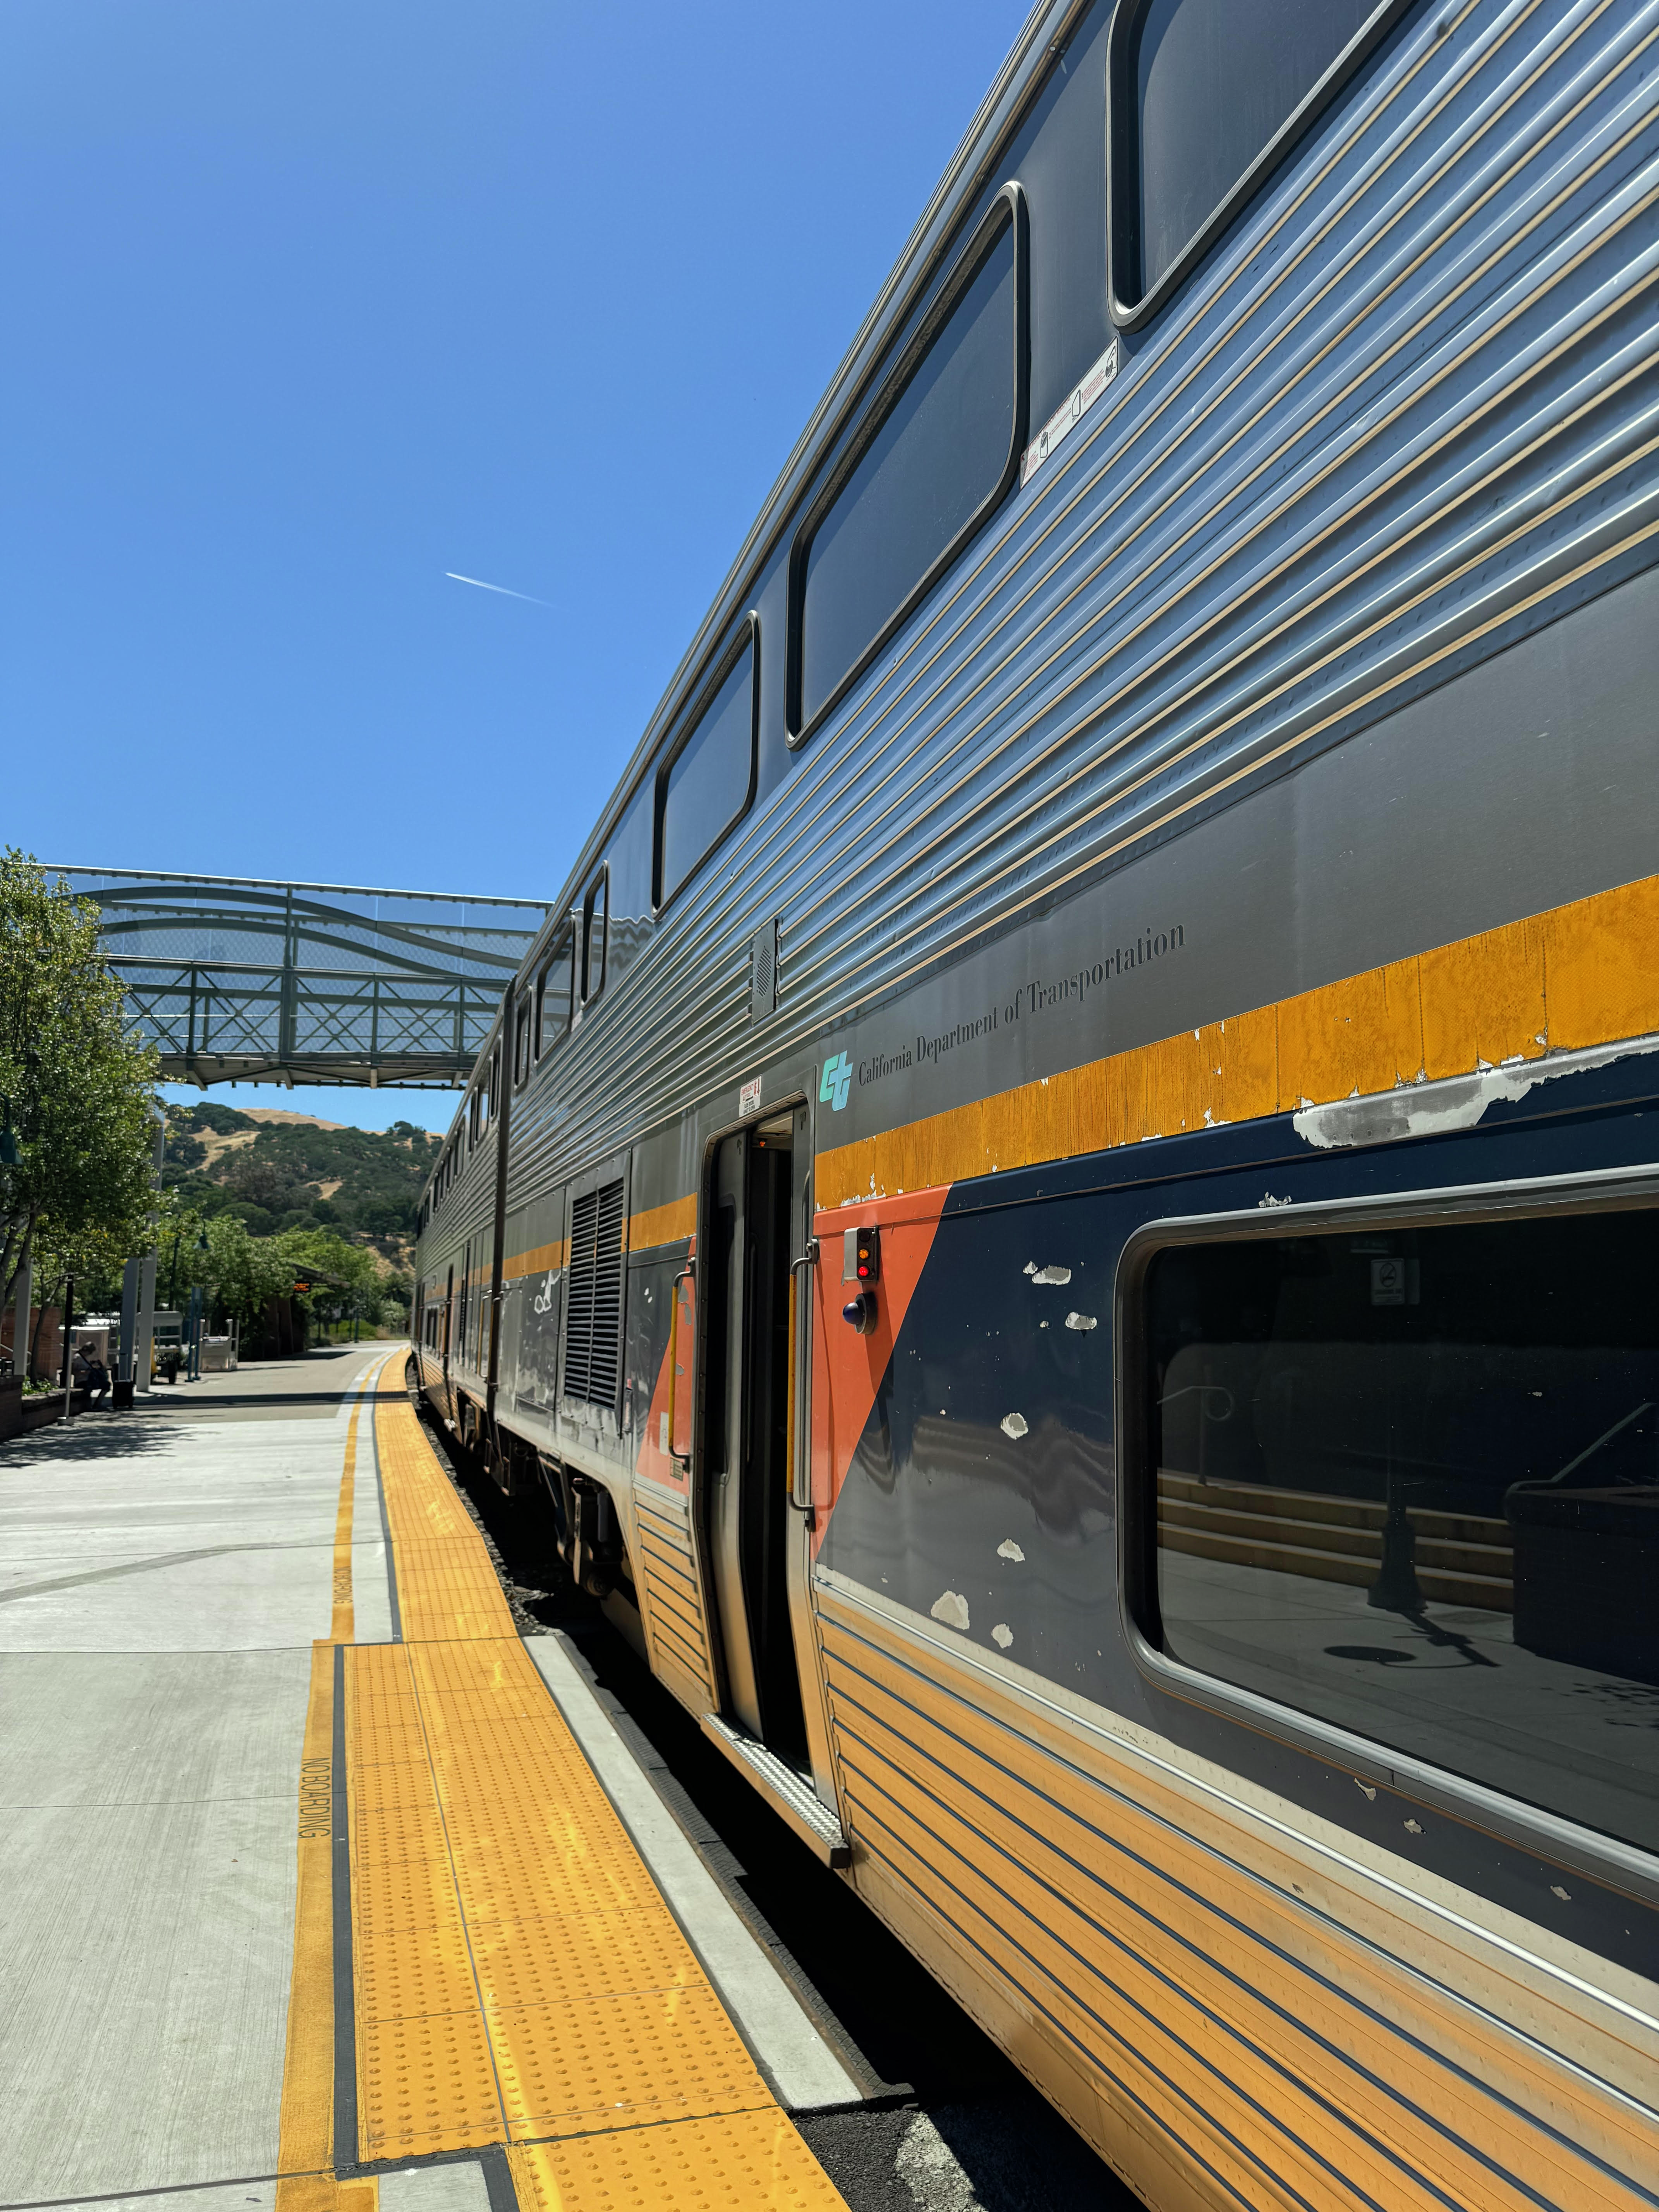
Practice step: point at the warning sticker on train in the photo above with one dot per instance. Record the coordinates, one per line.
(1070, 412)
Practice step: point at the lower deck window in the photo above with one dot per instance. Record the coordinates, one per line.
(1406, 1480)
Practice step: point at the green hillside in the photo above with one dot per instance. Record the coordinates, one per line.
(298, 1173)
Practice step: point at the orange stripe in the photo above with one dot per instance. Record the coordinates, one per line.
(662, 1225)
(1583, 974)
(657, 1224)
(538, 1260)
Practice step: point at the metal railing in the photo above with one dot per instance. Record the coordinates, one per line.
(235, 980)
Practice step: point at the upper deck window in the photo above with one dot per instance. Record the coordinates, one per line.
(595, 922)
(555, 993)
(521, 1038)
(937, 452)
(1207, 96)
(707, 782)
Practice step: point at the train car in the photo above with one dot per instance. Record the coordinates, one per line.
(1066, 1207)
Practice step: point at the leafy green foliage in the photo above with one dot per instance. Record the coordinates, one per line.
(223, 1120)
(292, 1175)
(244, 1214)
(241, 1273)
(282, 1202)
(79, 1087)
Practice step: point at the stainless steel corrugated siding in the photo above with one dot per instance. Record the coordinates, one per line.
(1408, 409)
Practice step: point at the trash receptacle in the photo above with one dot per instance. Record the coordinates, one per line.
(1587, 1576)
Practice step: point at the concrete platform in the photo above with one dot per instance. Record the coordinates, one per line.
(318, 1889)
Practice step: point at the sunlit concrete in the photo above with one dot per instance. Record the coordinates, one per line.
(162, 1576)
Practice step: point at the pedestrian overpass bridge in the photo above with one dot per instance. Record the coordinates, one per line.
(234, 979)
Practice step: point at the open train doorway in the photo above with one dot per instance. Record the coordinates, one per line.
(755, 1204)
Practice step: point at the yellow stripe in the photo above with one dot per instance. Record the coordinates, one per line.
(305, 2138)
(537, 1260)
(342, 1629)
(1582, 975)
(304, 2129)
(662, 1225)
(657, 1225)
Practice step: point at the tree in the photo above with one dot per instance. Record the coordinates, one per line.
(261, 1181)
(79, 1084)
(343, 1276)
(240, 1274)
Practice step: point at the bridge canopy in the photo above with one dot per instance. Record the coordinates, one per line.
(239, 980)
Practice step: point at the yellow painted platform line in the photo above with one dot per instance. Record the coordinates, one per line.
(344, 1629)
(305, 2155)
(520, 1979)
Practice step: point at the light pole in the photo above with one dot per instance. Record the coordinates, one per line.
(11, 1157)
(69, 1341)
(198, 1302)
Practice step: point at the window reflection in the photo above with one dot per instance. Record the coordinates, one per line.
(1213, 82)
(939, 455)
(710, 778)
(595, 916)
(1408, 1480)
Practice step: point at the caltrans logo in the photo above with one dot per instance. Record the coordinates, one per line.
(836, 1081)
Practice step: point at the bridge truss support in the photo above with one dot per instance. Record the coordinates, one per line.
(236, 981)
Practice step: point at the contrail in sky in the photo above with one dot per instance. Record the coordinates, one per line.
(501, 588)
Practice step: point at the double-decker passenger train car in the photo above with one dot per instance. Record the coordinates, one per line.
(1069, 1207)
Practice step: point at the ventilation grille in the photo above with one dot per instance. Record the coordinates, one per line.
(763, 972)
(594, 1298)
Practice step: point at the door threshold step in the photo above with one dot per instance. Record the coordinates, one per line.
(789, 1793)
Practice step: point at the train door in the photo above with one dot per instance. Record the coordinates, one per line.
(752, 1229)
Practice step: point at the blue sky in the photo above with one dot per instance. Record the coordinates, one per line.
(308, 304)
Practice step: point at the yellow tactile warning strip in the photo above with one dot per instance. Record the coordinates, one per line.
(519, 1978)
(691, 2166)
(1580, 976)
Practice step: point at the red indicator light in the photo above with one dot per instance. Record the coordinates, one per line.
(860, 1256)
